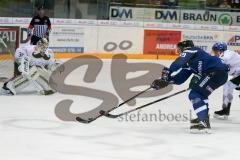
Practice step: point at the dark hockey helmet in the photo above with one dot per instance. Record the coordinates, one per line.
(185, 44)
(219, 46)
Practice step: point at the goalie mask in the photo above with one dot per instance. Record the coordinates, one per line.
(42, 45)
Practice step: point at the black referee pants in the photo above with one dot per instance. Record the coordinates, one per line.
(34, 39)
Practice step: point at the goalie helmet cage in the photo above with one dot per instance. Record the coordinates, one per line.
(9, 42)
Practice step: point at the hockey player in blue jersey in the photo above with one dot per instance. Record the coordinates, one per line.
(210, 73)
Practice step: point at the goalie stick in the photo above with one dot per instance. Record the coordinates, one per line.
(107, 114)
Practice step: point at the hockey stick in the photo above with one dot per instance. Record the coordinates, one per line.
(133, 97)
(102, 112)
(107, 114)
(79, 119)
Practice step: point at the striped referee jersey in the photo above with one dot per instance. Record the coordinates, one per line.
(39, 26)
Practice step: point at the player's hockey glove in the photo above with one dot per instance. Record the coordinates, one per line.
(163, 81)
(159, 83)
(165, 74)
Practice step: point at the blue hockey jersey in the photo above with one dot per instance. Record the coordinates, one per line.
(197, 61)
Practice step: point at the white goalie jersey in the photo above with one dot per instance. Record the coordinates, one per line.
(36, 57)
(232, 59)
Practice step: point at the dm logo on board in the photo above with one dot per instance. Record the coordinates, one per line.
(225, 19)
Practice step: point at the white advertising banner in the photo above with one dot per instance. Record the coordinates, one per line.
(203, 39)
(233, 40)
(6, 20)
(120, 40)
(205, 17)
(162, 15)
(63, 38)
(210, 17)
(144, 14)
(120, 23)
(21, 20)
(91, 39)
(67, 39)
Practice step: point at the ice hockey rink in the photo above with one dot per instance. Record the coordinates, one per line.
(30, 130)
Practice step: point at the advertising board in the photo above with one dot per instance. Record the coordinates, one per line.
(161, 41)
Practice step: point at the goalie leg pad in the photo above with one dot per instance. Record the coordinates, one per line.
(43, 78)
(19, 83)
(37, 75)
(16, 84)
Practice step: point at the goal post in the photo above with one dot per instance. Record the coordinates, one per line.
(9, 42)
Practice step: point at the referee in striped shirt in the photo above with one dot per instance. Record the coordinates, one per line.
(39, 27)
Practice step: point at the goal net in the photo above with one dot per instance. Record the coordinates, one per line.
(9, 41)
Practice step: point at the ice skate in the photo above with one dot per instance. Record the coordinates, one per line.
(223, 114)
(200, 127)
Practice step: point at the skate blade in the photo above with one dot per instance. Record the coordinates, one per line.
(202, 131)
(224, 117)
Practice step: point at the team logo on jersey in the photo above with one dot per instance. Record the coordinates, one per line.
(234, 41)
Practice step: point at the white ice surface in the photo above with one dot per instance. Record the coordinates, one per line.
(29, 129)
